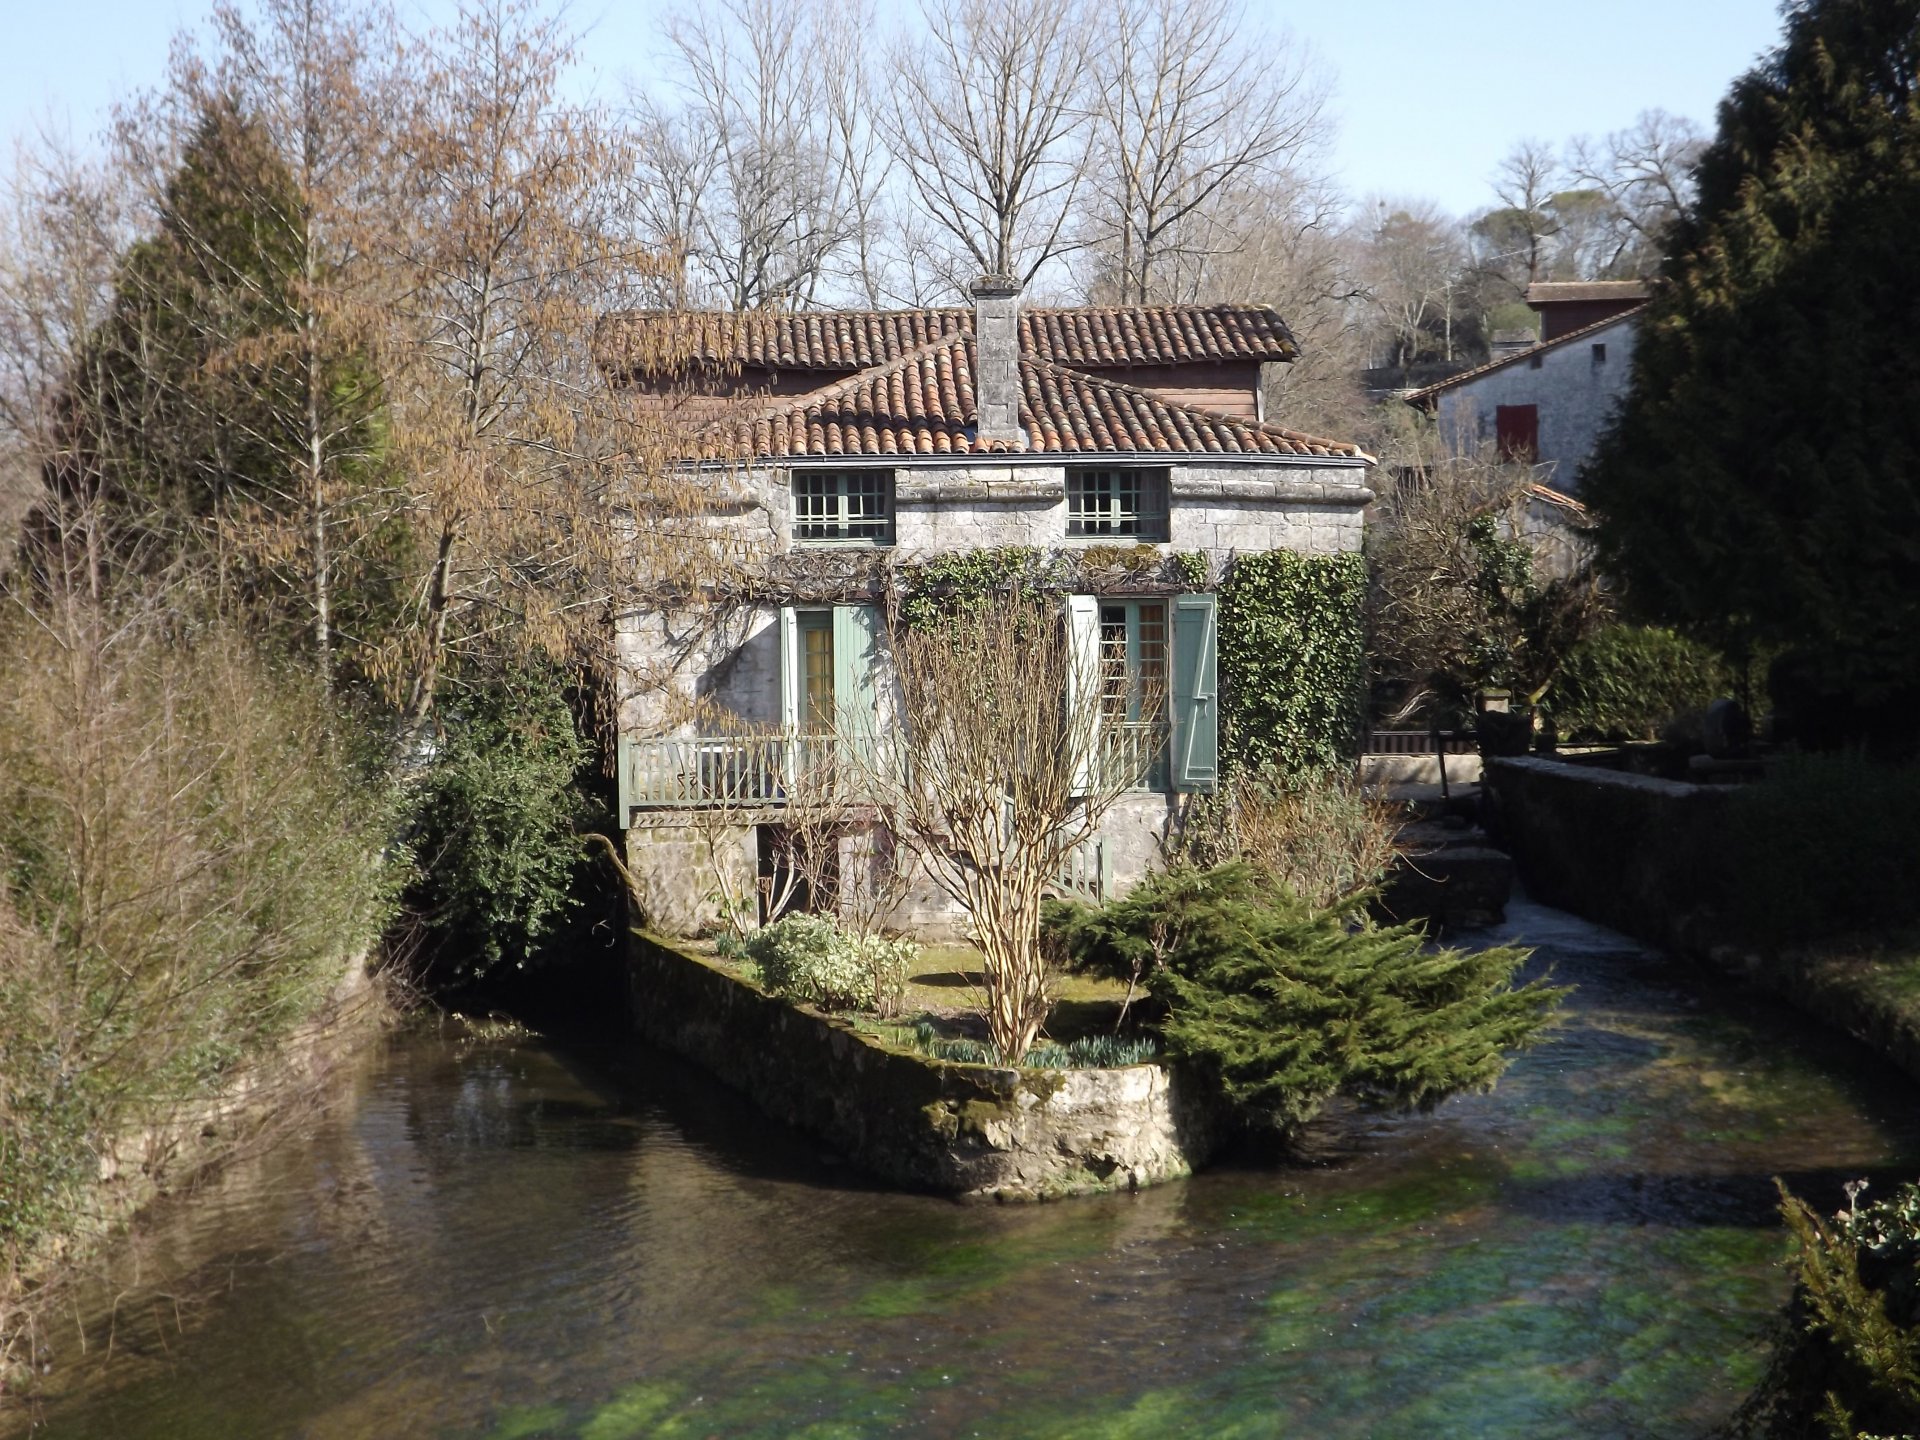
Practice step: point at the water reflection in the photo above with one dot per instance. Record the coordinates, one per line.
(495, 1239)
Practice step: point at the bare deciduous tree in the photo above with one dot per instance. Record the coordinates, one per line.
(1469, 589)
(1525, 183)
(988, 119)
(1410, 264)
(748, 177)
(1194, 126)
(1003, 763)
(1646, 173)
(66, 224)
(520, 458)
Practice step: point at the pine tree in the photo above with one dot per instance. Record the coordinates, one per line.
(1760, 486)
(1282, 1006)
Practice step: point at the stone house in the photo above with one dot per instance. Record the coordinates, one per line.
(1546, 403)
(1126, 444)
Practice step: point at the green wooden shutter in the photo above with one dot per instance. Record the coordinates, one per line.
(1195, 699)
(856, 654)
(1083, 679)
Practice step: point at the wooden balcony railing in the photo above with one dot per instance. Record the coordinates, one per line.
(756, 772)
(746, 772)
(1136, 753)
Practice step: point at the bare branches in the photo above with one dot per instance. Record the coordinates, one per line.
(1646, 174)
(758, 181)
(1525, 183)
(517, 230)
(1004, 762)
(1194, 129)
(986, 114)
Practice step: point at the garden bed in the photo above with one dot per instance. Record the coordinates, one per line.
(969, 1130)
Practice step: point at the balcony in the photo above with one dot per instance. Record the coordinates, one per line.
(756, 773)
(733, 772)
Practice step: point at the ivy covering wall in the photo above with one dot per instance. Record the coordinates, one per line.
(1292, 661)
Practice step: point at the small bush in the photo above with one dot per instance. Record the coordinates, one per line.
(1090, 1052)
(890, 963)
(1849, 1365)
(1623, 682)
(1323, 835)
(1825, 845)
(1325, 838)
(1282, 1005)
(811, 959)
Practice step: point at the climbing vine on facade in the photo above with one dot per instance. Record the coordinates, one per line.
(1292, 661)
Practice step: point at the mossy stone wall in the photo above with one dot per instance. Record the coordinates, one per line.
(969, 1130)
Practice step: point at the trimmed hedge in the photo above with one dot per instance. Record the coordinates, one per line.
(1624, 682)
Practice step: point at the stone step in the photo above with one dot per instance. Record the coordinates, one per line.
(1459, 885)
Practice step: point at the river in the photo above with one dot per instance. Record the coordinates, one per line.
(509, 1239)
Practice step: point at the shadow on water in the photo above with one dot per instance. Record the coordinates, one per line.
(576, 1238)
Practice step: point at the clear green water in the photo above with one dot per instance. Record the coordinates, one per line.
(492, 1239)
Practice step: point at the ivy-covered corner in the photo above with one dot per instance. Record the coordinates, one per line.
(1292, 661)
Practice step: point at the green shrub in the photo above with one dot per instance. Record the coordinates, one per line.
(1623, 682)
(811, 959)
(1825, 845)
(1281, 1006)
(1848, 1366)
(188, 861)
(1292, 655)
(498, 822)
(1090, 1052)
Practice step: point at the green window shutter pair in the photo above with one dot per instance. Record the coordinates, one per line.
(1193, 700)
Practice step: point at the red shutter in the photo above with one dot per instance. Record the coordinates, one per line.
(1517, 431)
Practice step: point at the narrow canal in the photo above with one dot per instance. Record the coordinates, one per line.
(499, 1239)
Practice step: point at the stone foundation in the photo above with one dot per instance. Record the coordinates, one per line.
(974, 1131)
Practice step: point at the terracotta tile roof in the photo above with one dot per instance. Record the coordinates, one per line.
(1097, 336)
(923, 404)
(1431, 392)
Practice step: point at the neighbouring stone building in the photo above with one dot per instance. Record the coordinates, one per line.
(1126, 443)
(1548, 402)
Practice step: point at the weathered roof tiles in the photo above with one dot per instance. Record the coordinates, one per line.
(649, 341)
(922, 403)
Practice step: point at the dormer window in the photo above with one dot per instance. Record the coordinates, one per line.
(843, 507)
(1121, 502)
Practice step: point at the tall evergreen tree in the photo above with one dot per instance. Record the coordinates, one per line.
(196, 405)
(1760, 486)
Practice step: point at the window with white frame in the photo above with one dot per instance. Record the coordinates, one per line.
(1117, 501)
(843, 507)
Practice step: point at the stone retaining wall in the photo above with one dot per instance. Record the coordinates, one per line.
(1638, 855)
(969, 1130)
(1629, 852)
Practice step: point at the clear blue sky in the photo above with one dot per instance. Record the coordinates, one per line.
(1428, 94)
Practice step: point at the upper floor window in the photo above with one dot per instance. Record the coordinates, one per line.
(843, 507)
(1127, 503)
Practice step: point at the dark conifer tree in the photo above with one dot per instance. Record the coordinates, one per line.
(192, 410)
(1760, 487)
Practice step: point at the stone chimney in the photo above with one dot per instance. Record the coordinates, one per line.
(996, 365)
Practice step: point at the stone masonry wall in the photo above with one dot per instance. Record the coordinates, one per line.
(975, 1131)
(1576, 395)
(709, 671)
